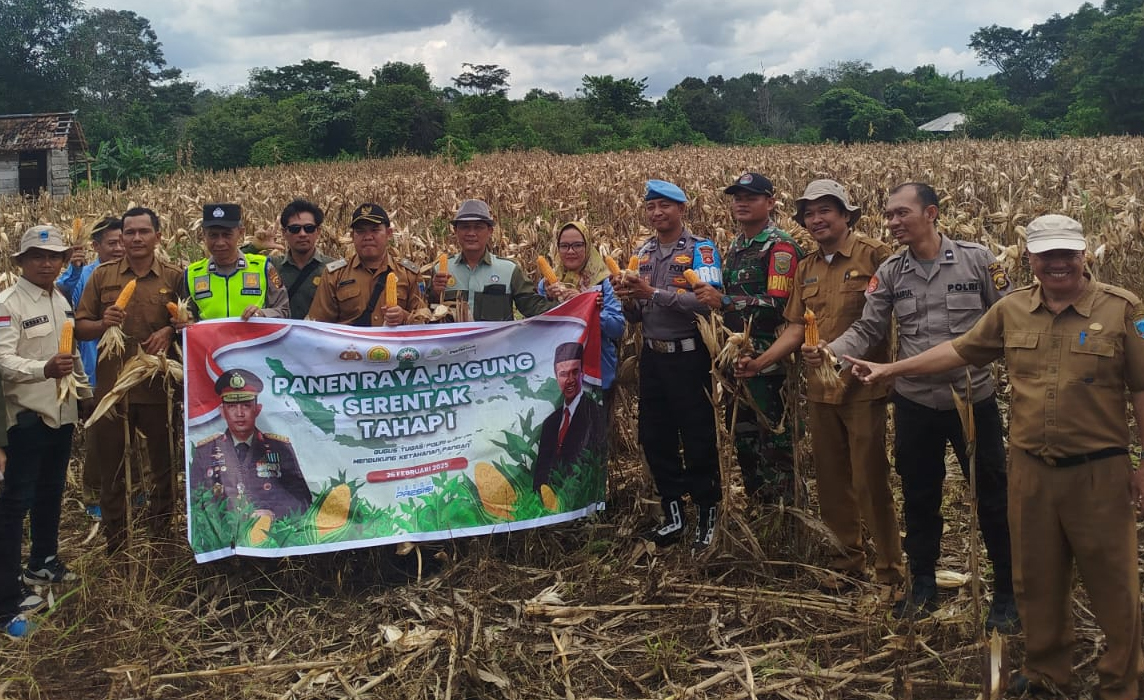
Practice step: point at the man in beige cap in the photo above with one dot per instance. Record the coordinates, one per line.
(847, 419)
(1073, 346)
(490, 285)
(32, 314)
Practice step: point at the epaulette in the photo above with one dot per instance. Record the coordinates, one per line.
(336, 265)
(275, 436)
(971, 245)
(204, 441)
(411, 266)
(1121, 292)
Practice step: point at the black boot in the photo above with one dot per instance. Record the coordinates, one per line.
(673, 524)
(1003, 615)
(705, 527)
(920, 601)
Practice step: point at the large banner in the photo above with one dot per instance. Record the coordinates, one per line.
(306, 437)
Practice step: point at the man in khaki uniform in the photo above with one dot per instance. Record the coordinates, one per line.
(1073, 346)
(352, 291)
(847, 420)
(300, 267)
(146, 324)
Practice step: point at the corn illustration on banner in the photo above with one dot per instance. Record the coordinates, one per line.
(306, 437)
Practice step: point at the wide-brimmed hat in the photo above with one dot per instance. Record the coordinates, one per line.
(818, 189)
(44, 237)
(1054, 232)
(474, 210)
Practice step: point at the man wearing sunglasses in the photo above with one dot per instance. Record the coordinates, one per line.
(301, 267)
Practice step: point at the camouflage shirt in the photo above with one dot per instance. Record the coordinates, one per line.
(758, 275)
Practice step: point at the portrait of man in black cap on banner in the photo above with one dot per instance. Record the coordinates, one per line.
(573, 429)
(244, 462)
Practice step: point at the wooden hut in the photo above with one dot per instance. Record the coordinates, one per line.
(37, 152)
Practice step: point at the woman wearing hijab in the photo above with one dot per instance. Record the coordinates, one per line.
(580, 268)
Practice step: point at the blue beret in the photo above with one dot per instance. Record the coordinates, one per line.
(662, 189)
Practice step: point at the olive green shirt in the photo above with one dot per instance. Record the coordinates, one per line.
(300, 282)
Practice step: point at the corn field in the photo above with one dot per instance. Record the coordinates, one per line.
(583, 610)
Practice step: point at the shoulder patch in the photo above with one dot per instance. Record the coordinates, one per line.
(276, 436)
(411, 266)
(873, 286)
(336, 265)
(208, 440)
(999, 275)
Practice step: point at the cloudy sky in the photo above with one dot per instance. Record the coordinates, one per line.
(552, 44)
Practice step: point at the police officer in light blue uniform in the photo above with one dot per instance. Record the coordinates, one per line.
(674, 368)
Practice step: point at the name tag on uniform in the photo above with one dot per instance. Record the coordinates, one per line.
(202, 287)
(33, 322)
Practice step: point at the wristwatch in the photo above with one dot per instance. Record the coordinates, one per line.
(726, 301)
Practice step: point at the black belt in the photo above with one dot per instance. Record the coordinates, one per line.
(670, 346)
(1077, 460)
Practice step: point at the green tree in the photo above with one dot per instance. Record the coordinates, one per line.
(483, 79)
(398, 117)
(307, 76)
(36, 70)
(996, 118)
(1109, 67)
(702, 105)
(873, 122)
(609, 100)
(399, 73)
(224, 134)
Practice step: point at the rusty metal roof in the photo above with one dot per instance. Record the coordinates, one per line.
(36, 132)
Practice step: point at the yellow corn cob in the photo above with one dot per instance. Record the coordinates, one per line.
(692, 277)
(173, 309)
(125, 295)
(443, 264)
(546, 270)
(335, 510)
(613, 266)
(77, 228)
(811, 337)
(67, 338)
(634, 263)
(391, 290)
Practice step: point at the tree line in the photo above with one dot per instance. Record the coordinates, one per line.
(1078, 74)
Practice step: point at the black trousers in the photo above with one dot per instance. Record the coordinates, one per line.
(920, 437)
(674, 407)
(33, 481)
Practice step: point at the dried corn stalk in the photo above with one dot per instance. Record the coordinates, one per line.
(140, 369)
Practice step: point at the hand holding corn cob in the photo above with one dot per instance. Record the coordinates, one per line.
(113, 343)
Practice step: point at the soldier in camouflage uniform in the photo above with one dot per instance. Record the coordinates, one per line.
(758, 272)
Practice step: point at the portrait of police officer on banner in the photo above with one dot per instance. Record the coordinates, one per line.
(245, 464)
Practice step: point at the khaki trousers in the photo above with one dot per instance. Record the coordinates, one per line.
(108, 444)
(849, 445)
(1058, 515)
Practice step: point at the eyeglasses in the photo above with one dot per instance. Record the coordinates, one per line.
(308, 228)
(570, 246)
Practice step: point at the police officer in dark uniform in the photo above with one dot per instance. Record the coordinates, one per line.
(244, 462)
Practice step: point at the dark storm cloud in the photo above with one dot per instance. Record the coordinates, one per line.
(517, 22)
